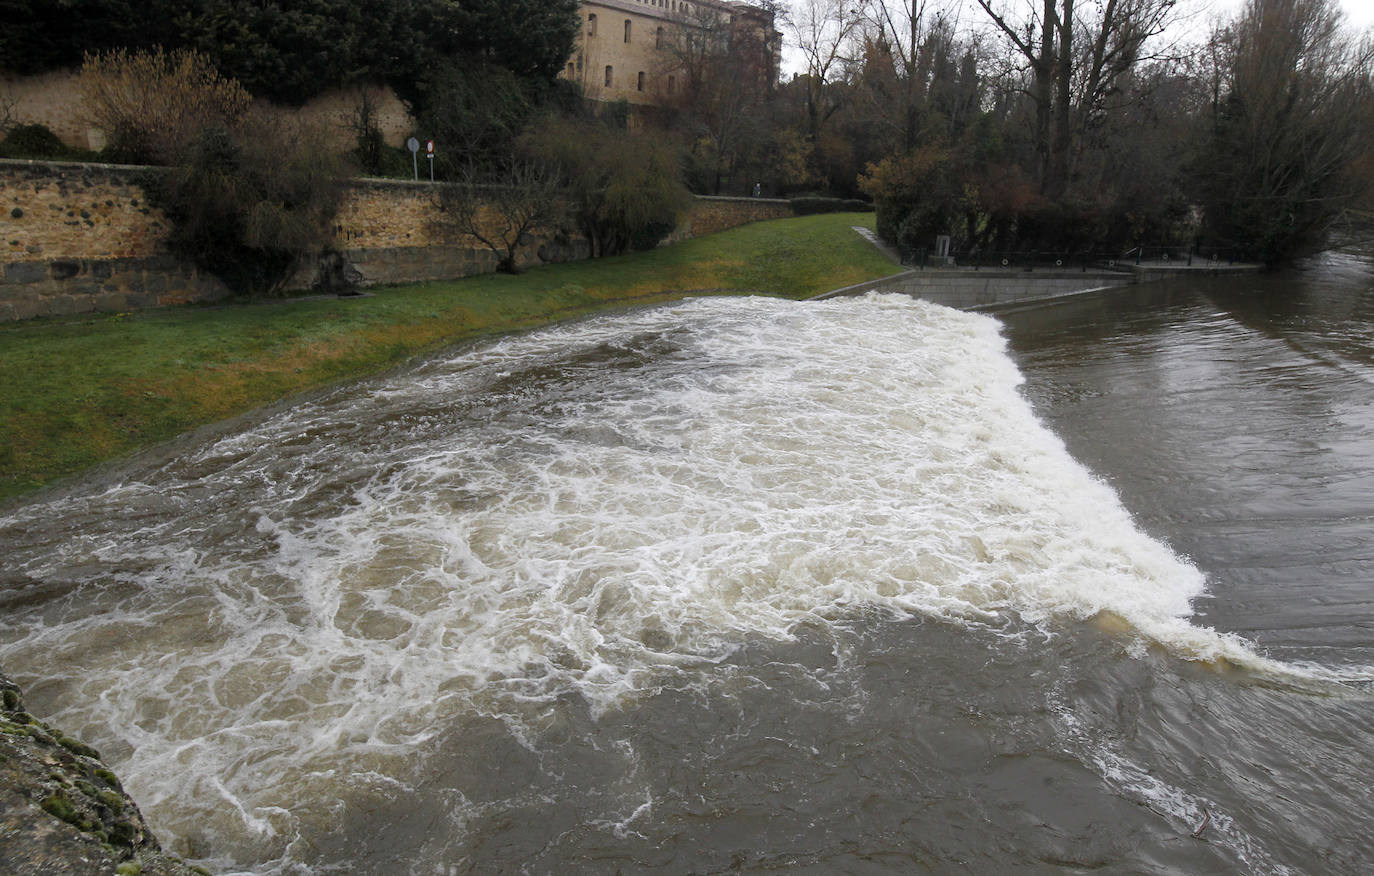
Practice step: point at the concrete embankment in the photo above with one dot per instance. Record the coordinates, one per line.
(983, 288)
(968, 289)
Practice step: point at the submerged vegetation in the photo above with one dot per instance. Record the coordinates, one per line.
(78, 391)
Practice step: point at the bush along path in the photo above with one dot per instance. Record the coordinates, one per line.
(79, 391)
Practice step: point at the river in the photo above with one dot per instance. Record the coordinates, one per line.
(861, 585)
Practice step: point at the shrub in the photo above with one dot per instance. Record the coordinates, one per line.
(915, 196)
(151, 104)
(811, 205)
(249, 204)
(625, 189)
(34, 141)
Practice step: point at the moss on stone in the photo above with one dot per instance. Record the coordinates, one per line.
(122, 833)
(113, 801)
(76, 746)
(58, 806)
(108, 778)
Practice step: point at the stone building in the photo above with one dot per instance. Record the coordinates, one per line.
(649, 52)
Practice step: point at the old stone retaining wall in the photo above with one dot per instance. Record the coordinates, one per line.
(77, 238)
(711, 214)
(54, 100)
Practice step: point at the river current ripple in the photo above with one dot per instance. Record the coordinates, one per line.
(745, 585)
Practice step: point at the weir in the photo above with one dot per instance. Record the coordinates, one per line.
(971, 288)
(978, 289)
(662, 587)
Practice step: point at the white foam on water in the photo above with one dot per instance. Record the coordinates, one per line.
(598, 508)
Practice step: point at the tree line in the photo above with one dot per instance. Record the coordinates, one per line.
(1010, 125)
(1067, 126)
(291, 52)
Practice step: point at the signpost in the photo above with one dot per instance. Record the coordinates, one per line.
(414, 146)
(429, 153)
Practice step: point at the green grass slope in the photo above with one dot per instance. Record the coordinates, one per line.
(78, 391)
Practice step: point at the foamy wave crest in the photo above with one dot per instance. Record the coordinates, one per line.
(599, 508)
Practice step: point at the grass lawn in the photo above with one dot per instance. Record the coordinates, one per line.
(78, 391)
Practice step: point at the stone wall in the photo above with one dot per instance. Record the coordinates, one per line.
(62, 287)
(710, 214)
(54, 101)
(77, 238)
(76, 211)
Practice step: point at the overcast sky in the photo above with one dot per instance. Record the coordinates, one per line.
(1198, 14)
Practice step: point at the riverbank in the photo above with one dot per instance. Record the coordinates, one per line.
(79, 391)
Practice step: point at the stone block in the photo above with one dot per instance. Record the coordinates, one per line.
(28, 308)
(66, 305)
(65, 269)
(81, 288)
(111, 301)
(26, 272)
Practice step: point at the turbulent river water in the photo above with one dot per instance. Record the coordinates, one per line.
(864, 585)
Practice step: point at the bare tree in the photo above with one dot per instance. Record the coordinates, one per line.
(914, 62)
(828, 34)
(722, 67)
(502, 210)
(152, 104)
(1074, 63)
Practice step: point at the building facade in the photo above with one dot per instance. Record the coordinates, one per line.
(651, 52)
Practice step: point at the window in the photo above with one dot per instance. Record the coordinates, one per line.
(658, 38)
(572, 71)
(591, 24)
(627, 30)
(609, 78)
(640, 85)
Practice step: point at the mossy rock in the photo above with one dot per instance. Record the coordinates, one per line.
(62, 811)
(58, 806)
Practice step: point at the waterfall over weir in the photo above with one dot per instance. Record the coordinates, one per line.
(523, 582)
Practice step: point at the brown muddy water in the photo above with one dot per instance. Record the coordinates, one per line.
(854, 586)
